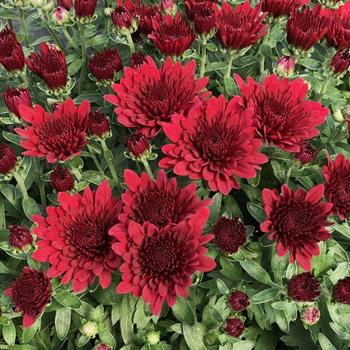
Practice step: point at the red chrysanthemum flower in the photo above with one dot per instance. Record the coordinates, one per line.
(193, 5)
(62, 179)
(19, 237)
(146, 15)
(306, 154)
(30, 293)
(147, 96)
(67, 4)
(230, 235)
(124, 14)
(159, 263)
(50, 65)
(338, 31)
(85, 8)
(337, 176)
(57, 136)
(242, 26)
(105, 64)
(304, 287)
(137, 60)
(341, 291)
(160, 202)
(74, 237)
(138, 145)
(15, 97)
(279, 8)
(297, 221)
(238, 301)
(340, 62)
(234, 327)
(215, 142)
(172, 35)
(283, 115)
(97, 124)
(305, 28)
(11, 52)
(8, 158)
(205, 18)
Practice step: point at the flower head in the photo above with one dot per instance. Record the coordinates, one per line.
(74, 238)
(307, 153)
(138, 146)
(85, 8)
(340, 62)
(310, 315)
(159, 262)
(283, 115)
(123, 17)
(297, 221)
(8, 158)
(304, 287)
(277, 8)
(234, 327)
(148, 96)
(57, 136)
(50, 65)
(338, 31)
(15, 97)
(146, 15)
(242, 26)
(238, 301)
(215, 142)
(19, 237)
(341, 291)
(137, 60)
(30, 293)
(194, 5)
(97, 124)
(11, 52)
(205, 18)
(62, 179)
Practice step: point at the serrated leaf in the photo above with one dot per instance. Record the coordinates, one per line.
(62, 322)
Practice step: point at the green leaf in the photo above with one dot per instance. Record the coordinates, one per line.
(9, 332)
(183, 311)
(115, 314)
(193, 335)
(83, 340)
(215, 208)
(105, 335)
(325, 343)
(126, 314)
(256, 271)
(62, 322)
(256, 211)
(343, 229)
(222, 286)
(68, 299)
(29, 333)
(30, 207)
(239, 345)
(13, 138)
(265, 296)
(75, 66)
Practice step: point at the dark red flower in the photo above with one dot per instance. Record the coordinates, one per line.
(205, 18)
(193, 5)
(307, 153)
(137, 60)
(283, 115)
(30, 293)
(277, 8)
(105, 64)
(242, 26)
(172, 35)
(337, 176)
(340, 62)
(138, 145)
(67, 4)
(230, 235)
(19, 237)
(97, 124)
(74, 238)
(124, 16)
(11, 52)
(62, 179)
(341, 291)
(160, 202)
(8, 158)
(238, 301)
(306, 27)
(234, 327)
(85, 8)
(304, 287)
(50, 65)
(216, 143)
(159, 263)
(57, 136)
(297, 221)
(15, 97)
(338, 31)
(146, 15)
(147, 96)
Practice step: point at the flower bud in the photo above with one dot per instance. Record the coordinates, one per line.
(138, 146)
(238, 301)
(340, 62)
(153, 337)
(137, 60)
(310, 315)
(8, 159)
(169, 7)
(123, 20)
(20, 237)
(61, 179)
(102, 346)
(60, 15)
(67, 4)
(306, 154)
(285, 66)
(15, 97)
(11, 52)
(234, 327)
(98, 124)
(89, 329)
(85, 9)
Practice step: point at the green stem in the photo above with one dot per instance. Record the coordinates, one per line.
(10, 23)
(2, 215)
(323, 89)
(229, 65)
(203, 59)
(148, 168)
(70, 40)
(97, 164)
(41, 185)
(83, 56)
(21, 185)
(130, 42)
(52, 33)
(23, 26)
(289, 172)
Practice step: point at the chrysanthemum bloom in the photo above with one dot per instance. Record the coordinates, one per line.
(283, 115)
(193, 5)
(242, 26)
(337, 176)
(97, 124)
(304, 287)
(50, 65)
(285, 66)
(67, 4)
(146, 14)
(340, 62)
(11, 52)
(137, 60)
(159, 263)
(105, 64)
(238, 301)
(172, 35)
(57, 136)
(15, 97)
(138, 145)
(19, 237)
(147, 96)
(85, 8)
(124, 15)
(310, 315)
(341, 291)
(277, 8)
(30, 293)
(8, 158)
(307, 153)
(306, 27)
(297, 221)
(216, 143)
(234, 327)
(74, 237)
(338, 32)
(205, 18)
(160, 202)
(230, 235)
(62, 179)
